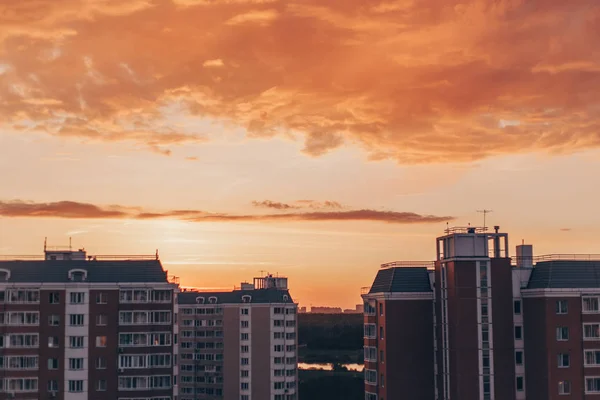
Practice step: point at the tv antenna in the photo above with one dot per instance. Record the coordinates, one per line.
(485, 213)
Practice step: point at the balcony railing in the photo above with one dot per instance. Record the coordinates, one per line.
(555, 257)
(408, 264)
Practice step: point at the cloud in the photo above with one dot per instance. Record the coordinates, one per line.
(416, 82)
(320, 205)
(273, 204)
(565, 229)
(75, 210)
(61, 209)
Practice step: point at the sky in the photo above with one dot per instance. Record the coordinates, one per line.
(310, 139)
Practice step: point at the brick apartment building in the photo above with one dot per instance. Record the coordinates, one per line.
(75, 327)
(476, 325)
(239, 345)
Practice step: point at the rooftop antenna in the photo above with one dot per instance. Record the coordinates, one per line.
(156, 254)
(70, 243)
(45, 242)
(485, 213)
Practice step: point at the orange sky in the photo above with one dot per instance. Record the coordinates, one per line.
(314, 139)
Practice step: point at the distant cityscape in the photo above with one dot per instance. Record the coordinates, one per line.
(331, 310)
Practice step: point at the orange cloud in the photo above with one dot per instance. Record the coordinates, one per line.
(412, 81)
(75, 210)
(273, 204)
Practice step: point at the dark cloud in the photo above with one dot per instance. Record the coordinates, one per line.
(71, 209)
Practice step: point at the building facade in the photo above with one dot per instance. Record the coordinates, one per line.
(476, 324)
(239, 345)
(75, 327)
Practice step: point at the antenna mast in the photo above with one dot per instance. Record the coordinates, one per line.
(485, 213)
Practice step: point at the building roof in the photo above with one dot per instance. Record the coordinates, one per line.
(401, 279)
(264, 296)
(565, 274)
(101, 271)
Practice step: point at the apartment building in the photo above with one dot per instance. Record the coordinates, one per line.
(476, 324)
(239, 345)
(77, 327)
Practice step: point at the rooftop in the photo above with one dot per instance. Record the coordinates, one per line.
(99, 270)
(565, 274)
(401, 279)
(264, 296)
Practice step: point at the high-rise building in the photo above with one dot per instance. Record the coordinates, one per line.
(77, 327)
(478, 325)
(239, 345)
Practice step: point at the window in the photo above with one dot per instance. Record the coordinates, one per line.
(52, 341)
(592, 357)
(382, 380)
(370, 396)
(54, 320)
(246, 299)
(77, 297)
(518, 332)
(370, 377)
(53, 363)
(24, 340)
(101, 385)
(101, 298)
(53, 385)
(76, 319)
(75, 364)
(520, 384)
(592, 384)
(381, 332)
(101, 319)
(517, 307)
(370, 353)
(244, 311)
(562, 333)
(100, 363)
(245, 373)
(564, 387)
(244, 349)
(245, 386)
(519, 358)
(591, 331)
(370, 331)
(276, 322)
(54, 298)
(563, 360)
(561, 307)
(245, 361)
(246, 336)
(75, 386)
(76, 342)
(246, 324)
(590, 305)
(101, 341)
(381, 309)
(381, 356)
(161, 296)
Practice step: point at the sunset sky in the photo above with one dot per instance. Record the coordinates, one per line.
(315, 139)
